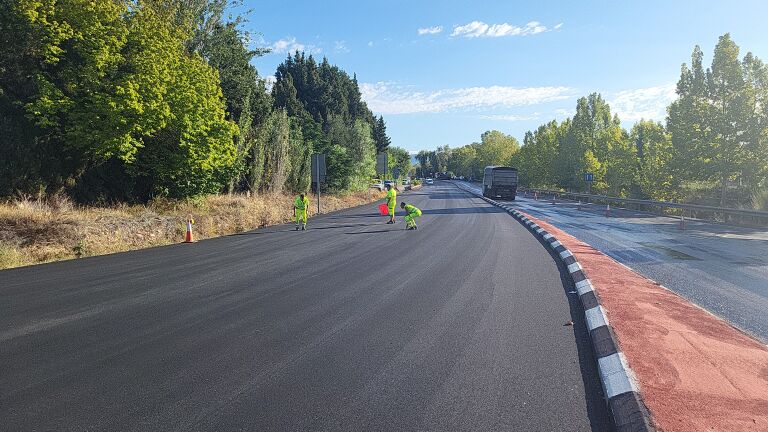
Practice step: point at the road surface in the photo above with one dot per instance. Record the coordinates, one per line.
(352, 325)
(721, 268)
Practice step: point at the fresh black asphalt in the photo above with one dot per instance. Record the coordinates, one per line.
(352, 325)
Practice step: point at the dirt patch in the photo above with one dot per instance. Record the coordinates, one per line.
(49, 229)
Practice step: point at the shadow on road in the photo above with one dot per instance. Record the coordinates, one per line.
(446, 196)
(370, 215)
(462, 210)
(374, 232)
(596, 405)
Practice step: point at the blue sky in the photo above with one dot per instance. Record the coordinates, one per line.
(444, 72)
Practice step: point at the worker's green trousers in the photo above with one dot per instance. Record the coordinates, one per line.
(301, 217)
(410, 219)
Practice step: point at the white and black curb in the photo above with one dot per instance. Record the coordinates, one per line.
(619, 383)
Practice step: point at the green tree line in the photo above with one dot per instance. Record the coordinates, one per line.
(712, 149)
(125, 100)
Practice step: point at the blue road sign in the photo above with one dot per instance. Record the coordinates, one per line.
(589, 177)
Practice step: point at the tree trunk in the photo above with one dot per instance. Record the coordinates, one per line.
(723, 188)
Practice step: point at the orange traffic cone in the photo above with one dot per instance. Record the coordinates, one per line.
(607, 210)
(188, 238)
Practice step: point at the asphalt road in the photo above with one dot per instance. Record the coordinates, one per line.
(721, 268)
(352, 325)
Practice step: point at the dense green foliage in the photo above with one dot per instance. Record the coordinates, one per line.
(326, 105)
(126, 100)
(399, 158)
(494, 148)
(713, 148)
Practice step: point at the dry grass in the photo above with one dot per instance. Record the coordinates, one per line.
(50, 229)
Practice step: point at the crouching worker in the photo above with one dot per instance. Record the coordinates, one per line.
(411, 213)
(300, 207)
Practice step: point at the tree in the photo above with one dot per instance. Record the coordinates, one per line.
(299, 176)
(535, 160)
(730, 114)
(496, 148)
(654, 151)
(717, 123)
(423, 156)
(380, 135)
(463, 161)
(440, 158)
(399, 158)
(334, 118)
(594, 140)
(363, 154)
(277, 147)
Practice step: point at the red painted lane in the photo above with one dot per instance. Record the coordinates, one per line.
(695, 371)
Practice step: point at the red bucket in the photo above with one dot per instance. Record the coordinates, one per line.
(383, 209)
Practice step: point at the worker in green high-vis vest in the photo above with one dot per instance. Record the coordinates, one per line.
(411, 213)
(391, 203)
(300, 208)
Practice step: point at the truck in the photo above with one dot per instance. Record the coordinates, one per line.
(500, 181)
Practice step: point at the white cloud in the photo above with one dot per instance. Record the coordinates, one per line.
(510, 117)
(473, 29)
(564, 113)
(390, 98)
(269, 82)
(291, 45)
(430, 30)
(649, 103)
(481, 29)
(557, 27)
(370, 43)
(341, 46)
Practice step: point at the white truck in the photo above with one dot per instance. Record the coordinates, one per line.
(500, 181)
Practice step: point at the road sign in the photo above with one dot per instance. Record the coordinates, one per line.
(396, 172)
(318, 168)
(318, 174)
(589, 177)
(381, 164)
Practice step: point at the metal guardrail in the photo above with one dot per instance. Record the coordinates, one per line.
(693, 211)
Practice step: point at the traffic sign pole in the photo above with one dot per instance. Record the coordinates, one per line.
(318, 183)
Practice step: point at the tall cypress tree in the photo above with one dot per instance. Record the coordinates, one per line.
(380, 135)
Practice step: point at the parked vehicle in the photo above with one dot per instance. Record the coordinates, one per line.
(500, 182)
(391, 183)
(429, 181)
(406, 184)
(378, 184)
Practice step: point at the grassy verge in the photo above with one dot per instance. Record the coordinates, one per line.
(35, 231)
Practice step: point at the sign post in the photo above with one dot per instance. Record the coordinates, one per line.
(318, 174)
(589, 178)
(381, 164)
